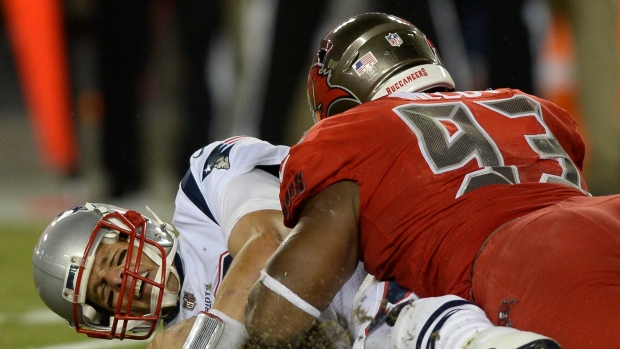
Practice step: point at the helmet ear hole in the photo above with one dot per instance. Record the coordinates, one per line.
(321, 55)
(324, 49)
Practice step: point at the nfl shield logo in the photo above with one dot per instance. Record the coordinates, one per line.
(394, 39)
(189, 300)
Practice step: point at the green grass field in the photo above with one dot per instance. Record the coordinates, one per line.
(25, 321)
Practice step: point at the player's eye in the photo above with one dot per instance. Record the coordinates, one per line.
(111, 300)
(101, 291)
(121, 257)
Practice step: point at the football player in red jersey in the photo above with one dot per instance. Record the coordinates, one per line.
(478, 194)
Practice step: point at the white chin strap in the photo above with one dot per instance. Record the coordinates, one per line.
(169, 298)
(94, 319)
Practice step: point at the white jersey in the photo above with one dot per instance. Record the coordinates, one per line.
(227, 180)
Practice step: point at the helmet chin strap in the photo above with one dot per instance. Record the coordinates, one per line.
(169, 298)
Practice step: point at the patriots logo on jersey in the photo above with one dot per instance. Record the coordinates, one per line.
(319, 85)
(217, 159)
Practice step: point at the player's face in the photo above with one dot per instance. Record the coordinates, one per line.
(106, 277)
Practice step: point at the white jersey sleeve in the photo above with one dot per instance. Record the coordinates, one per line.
(249, 192)
(226, 180)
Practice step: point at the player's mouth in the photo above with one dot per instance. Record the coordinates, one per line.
(137, 292)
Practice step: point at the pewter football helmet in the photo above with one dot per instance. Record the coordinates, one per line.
(369, 56)
(63, 258)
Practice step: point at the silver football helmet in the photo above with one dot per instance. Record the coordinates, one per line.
(64, 257)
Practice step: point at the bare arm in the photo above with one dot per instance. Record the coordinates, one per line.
(254, 238)
(317, 258)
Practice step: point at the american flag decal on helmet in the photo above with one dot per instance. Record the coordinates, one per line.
(394, 39)
(367, 61)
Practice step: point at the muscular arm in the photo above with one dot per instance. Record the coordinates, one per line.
(315, 260)
(254, 238)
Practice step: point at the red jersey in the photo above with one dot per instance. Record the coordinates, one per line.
(438, 173)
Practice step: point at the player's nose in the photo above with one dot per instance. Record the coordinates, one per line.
(113, 277)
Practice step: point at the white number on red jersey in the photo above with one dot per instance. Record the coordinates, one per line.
(449, 137)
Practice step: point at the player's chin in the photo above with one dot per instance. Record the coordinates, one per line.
(140, 308)
(165, 311)
(141, 302)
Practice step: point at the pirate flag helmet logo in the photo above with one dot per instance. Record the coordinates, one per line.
(322, 95)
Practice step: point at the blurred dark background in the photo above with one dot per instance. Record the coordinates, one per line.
(147, 82)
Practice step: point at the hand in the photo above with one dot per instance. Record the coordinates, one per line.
(174, 337)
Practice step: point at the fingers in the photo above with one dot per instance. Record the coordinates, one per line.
(183, 326)
(173, 337)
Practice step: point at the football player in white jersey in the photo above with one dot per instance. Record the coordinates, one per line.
(227, 205)
(116, 273)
